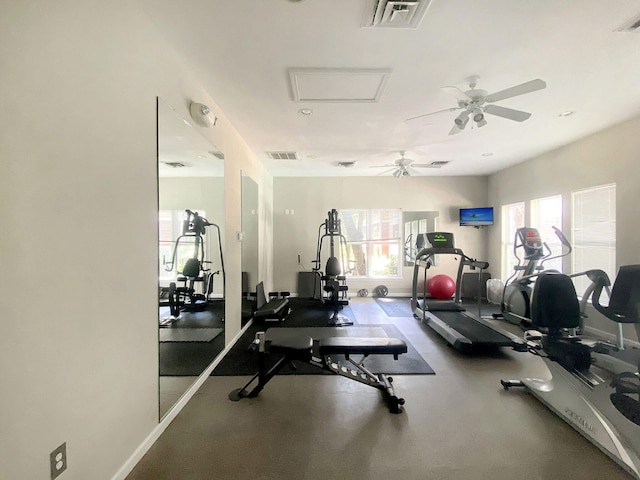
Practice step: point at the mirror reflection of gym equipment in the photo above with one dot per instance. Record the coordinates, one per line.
(333, 279)
(193, 271)
(187, 180)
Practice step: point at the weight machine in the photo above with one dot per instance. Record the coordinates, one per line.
(334, 288)
(195, 270)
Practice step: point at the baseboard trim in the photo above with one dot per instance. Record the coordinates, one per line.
(148, 442)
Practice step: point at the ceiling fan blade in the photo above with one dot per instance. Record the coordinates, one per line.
(510, 113)
(421, 165)
(457, 94)
(414, 119)
(521, 89)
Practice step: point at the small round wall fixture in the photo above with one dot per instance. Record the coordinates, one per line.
(202, 115)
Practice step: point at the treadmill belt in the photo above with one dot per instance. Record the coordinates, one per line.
(443, 306)
(474, 331)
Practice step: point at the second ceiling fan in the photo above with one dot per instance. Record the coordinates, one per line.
(473, 103)
(404, 167)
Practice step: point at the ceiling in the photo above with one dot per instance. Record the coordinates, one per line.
(263, 61)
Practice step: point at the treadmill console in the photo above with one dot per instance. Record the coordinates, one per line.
(531, 242)
(440, 240)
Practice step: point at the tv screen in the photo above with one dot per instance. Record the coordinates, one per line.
(476, 217)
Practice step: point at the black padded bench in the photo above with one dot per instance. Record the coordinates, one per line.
(291, 346)
(361, 346)
(277, 308)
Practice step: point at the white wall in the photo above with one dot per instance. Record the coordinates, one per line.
(609, 156)
(79, 350)
(312, 198)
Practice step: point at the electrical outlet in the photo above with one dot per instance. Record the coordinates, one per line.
(58, 459)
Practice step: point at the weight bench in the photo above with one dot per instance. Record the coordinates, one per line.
(292, 346)
(274, 309)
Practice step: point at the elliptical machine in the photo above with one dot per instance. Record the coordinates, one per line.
(195, 270)
(516, 295)
(606, 412)
(334, 286)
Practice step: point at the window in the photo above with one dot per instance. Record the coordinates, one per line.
(594, 232)
(546, 213)
(512, 219)
(170, 225)
(374, 242)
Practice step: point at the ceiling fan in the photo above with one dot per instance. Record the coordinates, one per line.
(404, 167)
(473, 103)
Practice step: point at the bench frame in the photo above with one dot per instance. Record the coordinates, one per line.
(301, 349)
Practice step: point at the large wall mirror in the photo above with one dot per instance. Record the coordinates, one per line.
(250, 242)
(191, 271)
(416, 224)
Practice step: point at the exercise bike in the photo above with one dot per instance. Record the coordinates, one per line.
(193, 272)
(605, 411)
(621, 357)
(516, 296)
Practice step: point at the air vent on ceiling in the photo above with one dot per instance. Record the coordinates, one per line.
(631, 25)
(175, 164)
(218, 155)
(282, 155)
(394, 13)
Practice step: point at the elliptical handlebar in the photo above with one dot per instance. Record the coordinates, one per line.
(564, 242)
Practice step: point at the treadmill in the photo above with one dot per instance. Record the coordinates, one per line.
(448, 318)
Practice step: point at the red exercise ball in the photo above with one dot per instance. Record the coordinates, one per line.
(441, 286)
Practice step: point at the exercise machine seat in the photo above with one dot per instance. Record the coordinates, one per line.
(554, 304)
(624, 304)
(333, 267)
(191, 268)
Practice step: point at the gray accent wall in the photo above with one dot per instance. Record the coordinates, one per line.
(609, 156)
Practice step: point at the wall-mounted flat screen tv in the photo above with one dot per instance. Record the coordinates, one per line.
(476, 217)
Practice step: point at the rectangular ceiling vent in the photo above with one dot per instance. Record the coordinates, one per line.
(394, 13)
(175, 164)
(217, 154)
(631, 25)
(282, 155)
